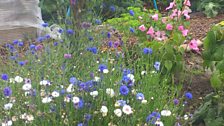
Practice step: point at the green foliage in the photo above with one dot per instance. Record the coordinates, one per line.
(214, 55)
(211, 7)
(211, 112)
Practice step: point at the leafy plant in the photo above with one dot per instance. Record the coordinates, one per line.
(211, 7)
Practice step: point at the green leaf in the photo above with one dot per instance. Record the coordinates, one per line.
(168, 65)
(215, 80)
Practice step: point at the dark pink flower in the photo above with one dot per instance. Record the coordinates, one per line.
(67, 56)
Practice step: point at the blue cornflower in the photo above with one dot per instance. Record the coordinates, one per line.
(110, 43)
(55, 43)
(70, 32)
(80, 124)
(102, 67)
(15, 42)
(157, 66)
(73, 80)
(79, 105)
(60, 30)
(153, 117)
(147, 51)
(21, 63)
(87, 117)
(45, 25)
(5, 77)
(90, 38)
(121, 103)
(140, 96)
(62, 92)
(47, 36)
(112, 8)
(131, 12)
(108, 35)
(188, 95)
(132, 30)
(40, 39)
(92, 49)
(7, 91)
(98, 22)
(20, 43)
(32, 46)
(124, 90)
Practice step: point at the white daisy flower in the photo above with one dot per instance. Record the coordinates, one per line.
(104, 109)
(46, 100)
(70, 88)
(75, 100)
(97, 79)
(55, 94)
(8, 106)
(159, 123)
(18, 79)
(110, 92)
(27, 87)
(7, 123)
(12, 80)
(165, 112)
(118, 112)
(94, 93)
(44, 82)
(143, 73)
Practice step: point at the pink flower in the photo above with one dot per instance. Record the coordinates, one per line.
(181, 28)
(142, 28)
(193, 45)
(150, 31)
(187, 3)
(160, 35)
(169, 27)
(155, 17)
(67, 56)
(172, 4)
(185, 13)
(184, 32)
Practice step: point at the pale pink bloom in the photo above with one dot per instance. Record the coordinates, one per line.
(187, 16)
(184, 32)
(150, 31)
(193, 45)
(142, 28)
(164, 20)
(169, 27)
(187, 3)
(155, 17)
(181, 28)
(179, 13)
(174, 14)
(172, 4)
(160, 35)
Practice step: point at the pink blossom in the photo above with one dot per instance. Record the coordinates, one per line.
(142, 28)
(169, 27)
(184, 32)
(172, 4)
(140, 17)
(160, 35)
(187, 3)
(155, 17)
(181, 28)
(150, 31)
(193, 45)
(187, 16)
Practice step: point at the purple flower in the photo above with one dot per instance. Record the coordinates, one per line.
(21, 63)
(20, 44)
(110, 43)
(124, 90)
(131, 12)
(5, 77)
(38, 47)
(157, 65)
(147, 51)
(40, 39)
(140, 96)
(15, 42)
(7, 91)
(188, 95)
(55, 43)
(67, 56)
(87, 117)
(60, 30)
(176, 101)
